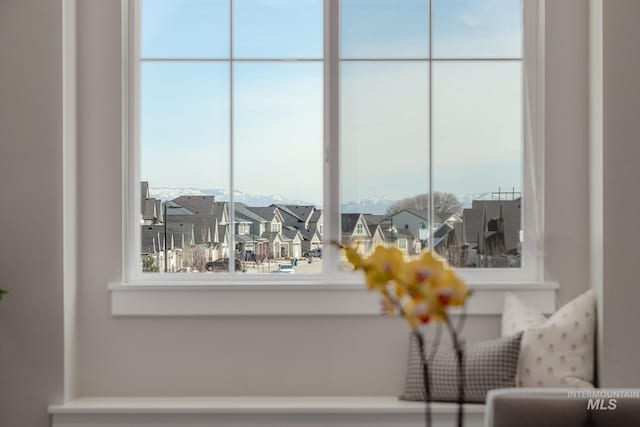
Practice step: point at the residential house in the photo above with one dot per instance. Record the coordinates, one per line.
(153, 248)
(291, 243)
(307, 219)
(271, 229)
(416, 222)
(355, 231)
(250, 228)
(376, 227)
(492, 229)
(150, 208)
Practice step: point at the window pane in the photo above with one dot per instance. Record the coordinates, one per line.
(384, 149)
(478, 158)
(278, 160)
(184, 139)
(477, 28)
(184, 28)
(384, 29)
(277, 28)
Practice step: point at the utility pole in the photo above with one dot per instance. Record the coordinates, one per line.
(164, 214)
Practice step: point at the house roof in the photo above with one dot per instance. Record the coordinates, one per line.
(244, 238)
(181, 230)
(220, 211)
(349, 221)
(202, 234)
(420, 213)
(304, 212)
(442, 231)
(190, 219)
(267, 213)
(310, 234)
(144, 194)
(492, 209)
(315, 216)
(150, 239)
(149, 211)
(243, 212)
(197, 204)
(285, 209)
(472, 223)
(222, 233)
(374, 219)
(461, 234)
(159, 212)
(290, 233)
(174, 208)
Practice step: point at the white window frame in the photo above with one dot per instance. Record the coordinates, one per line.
(342, 292)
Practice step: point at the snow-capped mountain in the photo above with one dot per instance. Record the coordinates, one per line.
(223, 196)
(372, 205)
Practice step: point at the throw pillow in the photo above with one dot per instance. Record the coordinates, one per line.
(487, 365)
(558, 351)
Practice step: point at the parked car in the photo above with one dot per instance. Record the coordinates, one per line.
(222, 264)
(285, 268)
(313, 253)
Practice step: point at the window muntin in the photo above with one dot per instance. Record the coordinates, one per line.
(373, 61)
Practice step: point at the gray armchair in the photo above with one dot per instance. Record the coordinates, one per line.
(535, 407)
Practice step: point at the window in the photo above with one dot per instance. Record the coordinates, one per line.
(259, 114)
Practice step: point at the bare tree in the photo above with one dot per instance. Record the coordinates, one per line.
(444, 204)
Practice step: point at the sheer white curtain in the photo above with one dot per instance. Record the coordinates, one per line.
(534, 134)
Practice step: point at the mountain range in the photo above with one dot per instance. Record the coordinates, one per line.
(373, 205)
(223, 196)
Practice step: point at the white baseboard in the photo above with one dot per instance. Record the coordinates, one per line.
(257, 411)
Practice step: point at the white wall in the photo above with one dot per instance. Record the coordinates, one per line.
(188, 356)
(285, 356)
(567, 148)
(31, 327)
(615, 157)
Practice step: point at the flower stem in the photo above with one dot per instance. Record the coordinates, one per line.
(460, 359)
(425, 376)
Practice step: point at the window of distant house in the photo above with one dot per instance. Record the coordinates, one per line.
(231, 120)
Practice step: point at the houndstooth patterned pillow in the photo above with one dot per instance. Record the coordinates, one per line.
(487, 365)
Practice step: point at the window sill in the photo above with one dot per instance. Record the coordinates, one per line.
(186, 299)
(257, 411)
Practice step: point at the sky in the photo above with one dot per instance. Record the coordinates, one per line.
(278, 106)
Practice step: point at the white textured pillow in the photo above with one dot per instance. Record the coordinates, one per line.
(558, 351)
